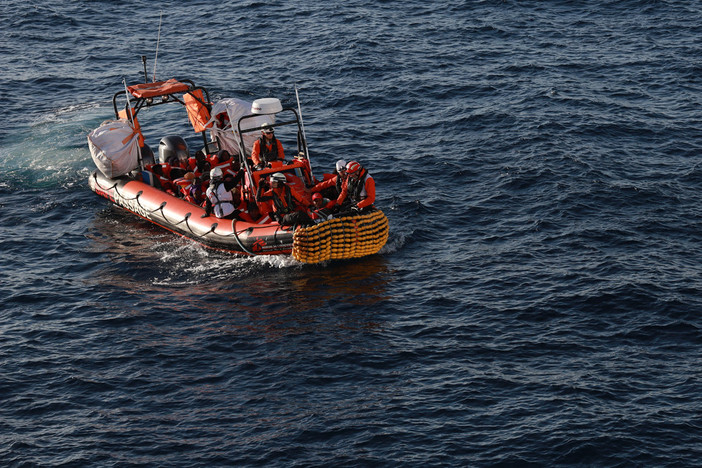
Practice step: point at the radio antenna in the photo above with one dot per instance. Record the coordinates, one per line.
(128, 110)
(302, 124)
(158, 41)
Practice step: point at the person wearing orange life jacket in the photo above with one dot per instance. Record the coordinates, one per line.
(219, 195)
(160, 177)
(225, 162)
(333, 185)
(267, 148)
(359, 188)
(190, 188)
(289, 206)
(248, 211)
(212, 159)
(198, 164)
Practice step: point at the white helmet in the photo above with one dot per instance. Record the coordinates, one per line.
(216, 173)
(278, 177)
(340, 164)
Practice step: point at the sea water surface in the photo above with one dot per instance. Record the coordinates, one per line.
(538, 301)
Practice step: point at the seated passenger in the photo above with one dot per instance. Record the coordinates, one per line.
(166, 170)
(190, 189)
(198, 164)
(289, 207)
(212, 160)
(321, 207)
(164, 182)
(267, 148)
(227, 164)
(248, 211)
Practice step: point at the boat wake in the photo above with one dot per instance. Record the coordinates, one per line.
(53, 153)
(395, 242)
(184, 263)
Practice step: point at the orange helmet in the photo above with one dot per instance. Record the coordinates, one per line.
(352, 167)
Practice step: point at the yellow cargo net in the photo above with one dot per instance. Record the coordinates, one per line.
(339, 238)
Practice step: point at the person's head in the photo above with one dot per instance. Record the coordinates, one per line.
(267, 131)
(278, 180)
(318, 200)
(223, 156)
(340, 166)
(215, 175)
(189, 176)
(353, 169)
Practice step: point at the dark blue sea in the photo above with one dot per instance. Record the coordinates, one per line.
(538, 302)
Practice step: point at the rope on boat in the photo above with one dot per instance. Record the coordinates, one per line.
(135, 197)
(160, 207)
(341, 238)
(116, 189)
(184, 220)
(236, 237)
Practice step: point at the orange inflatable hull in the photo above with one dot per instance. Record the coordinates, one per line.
(186, 219)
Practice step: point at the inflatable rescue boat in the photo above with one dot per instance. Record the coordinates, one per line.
(168, 190)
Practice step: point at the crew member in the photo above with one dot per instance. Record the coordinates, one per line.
(289, 207)
(359, 188)
(332, 186)
(219, 195)
(267, 148)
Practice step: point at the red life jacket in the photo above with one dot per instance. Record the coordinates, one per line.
(212, 159)
(163, 182)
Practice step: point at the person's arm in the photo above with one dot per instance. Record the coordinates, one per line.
(281, 153)
(230, 184)
(208, 206)
(324, 184)
(263, 197)
(344, 192)
(256, 152)
(370, 191)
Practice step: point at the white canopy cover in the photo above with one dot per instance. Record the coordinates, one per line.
(114, 146)
(229, 136)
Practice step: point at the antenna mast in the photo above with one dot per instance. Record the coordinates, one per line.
(302, 124)
(158, 41)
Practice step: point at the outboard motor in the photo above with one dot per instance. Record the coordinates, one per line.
(173, 150)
